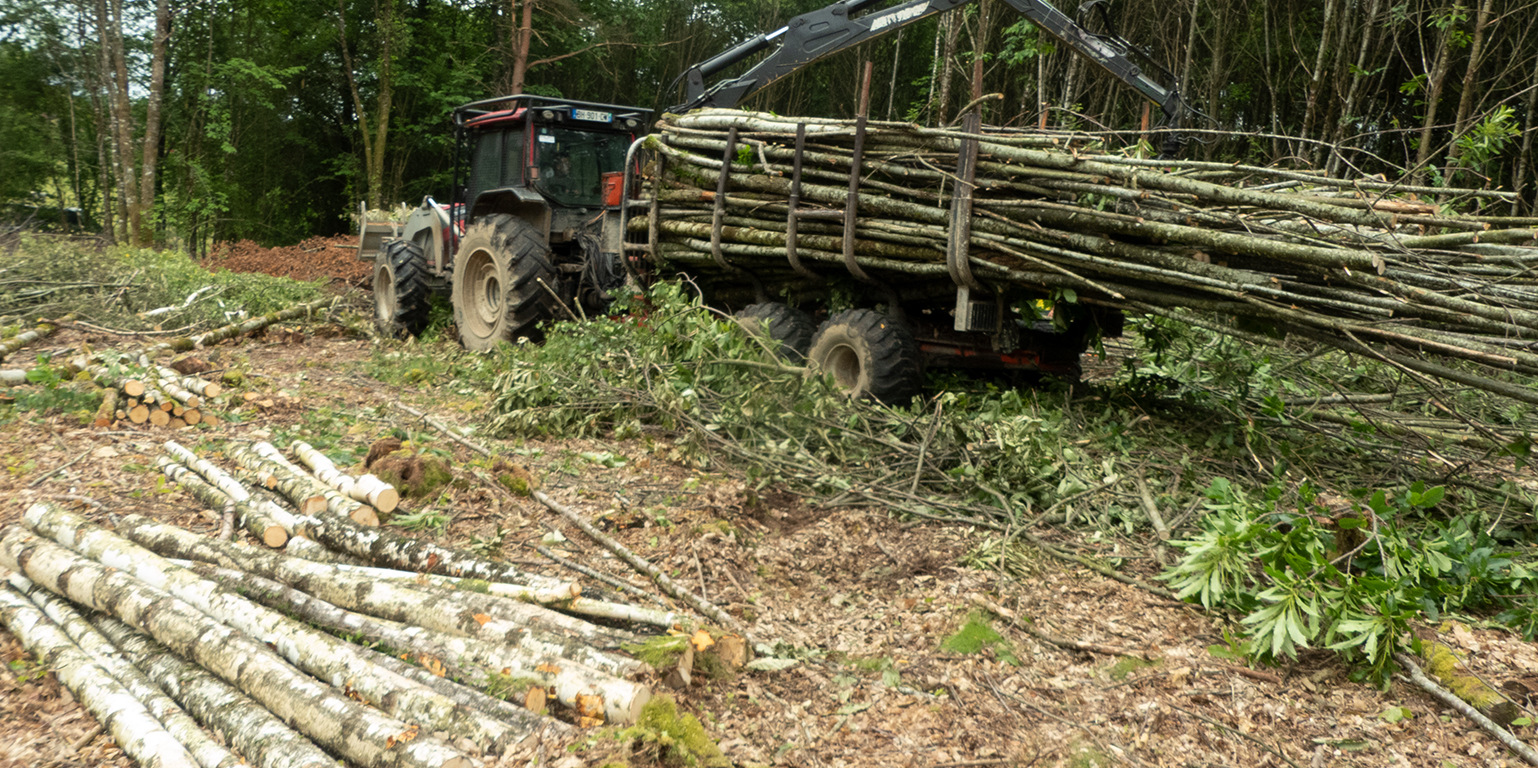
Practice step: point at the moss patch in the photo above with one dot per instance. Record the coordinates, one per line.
(514, 477)
(671, 738)
(977, 634)
(1126, 665)
(1442, 665)
(661, 652)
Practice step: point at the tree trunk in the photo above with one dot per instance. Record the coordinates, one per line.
(523, 36)
(1358, 74)
(1524, 164)
(575, 684)
(252, 730)
(1317, 79)
(136, 731)
(1436, 78)
(1466, 98)
(326, 657)
(152, 127)
(115, 77)
(951, 24)
(178, 723)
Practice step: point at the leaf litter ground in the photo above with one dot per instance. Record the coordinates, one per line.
(865, 604)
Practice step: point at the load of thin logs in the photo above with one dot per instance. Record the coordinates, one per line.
(1435, 281)
(165, 634)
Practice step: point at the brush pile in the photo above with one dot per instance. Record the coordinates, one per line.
(1369, 266)
(162, 632)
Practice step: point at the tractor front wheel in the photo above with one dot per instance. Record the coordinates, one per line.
(400, 290)
(504, 283)
(869, 356)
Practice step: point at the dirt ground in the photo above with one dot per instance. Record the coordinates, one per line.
(865, 601)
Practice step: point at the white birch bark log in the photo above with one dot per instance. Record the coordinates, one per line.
(296, 492)
(326, 657)
(466, 695)
(384, 547)
(315, 552)
(268, 457)
(579, 605)
(172, 386)
(137, 731)
(254, 521)
(229, 485)
(368, 489)
(253, 731)
(181, 726)
(335, 502)
(463, 613)
(205, 388)
(575, 685)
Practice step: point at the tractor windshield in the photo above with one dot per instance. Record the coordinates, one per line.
(572, 163)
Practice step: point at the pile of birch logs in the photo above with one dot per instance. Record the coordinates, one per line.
(1366, 265)
(137, 389)
(168, 636)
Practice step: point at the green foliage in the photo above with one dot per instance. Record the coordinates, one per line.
(95, 285)
(423, 521)
(1489, 137)
(1282, 569)
(672, 738)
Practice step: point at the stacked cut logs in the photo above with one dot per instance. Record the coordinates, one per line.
(139, 624)
(141, 392)
(1366, 265)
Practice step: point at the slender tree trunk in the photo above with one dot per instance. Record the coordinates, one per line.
(147, 172)
(1436, 78)
(952, 26)
(1358, 74)
(114, 69)
(1466, 99)
(375, 199)
(1525, 157)
(891, 95)
(522, 38)
(1316, 77)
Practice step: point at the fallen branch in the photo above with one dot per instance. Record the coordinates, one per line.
(1451, 700)
(704, 607)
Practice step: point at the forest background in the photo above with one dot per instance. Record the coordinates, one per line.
(182, 123)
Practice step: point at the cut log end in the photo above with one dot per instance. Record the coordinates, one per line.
(139, 414)
(314, 505)
(386, 500)
(133, 388)
(365, 516)
(275, 536)
(192, 416)
(534, 700)
(158, 417)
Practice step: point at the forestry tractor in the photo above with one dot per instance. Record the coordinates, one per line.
(545, 188)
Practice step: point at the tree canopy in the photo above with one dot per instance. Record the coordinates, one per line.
(186, 123)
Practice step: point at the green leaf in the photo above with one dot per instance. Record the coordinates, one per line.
(1395, 714)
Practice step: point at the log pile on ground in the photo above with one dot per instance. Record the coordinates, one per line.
(137, 388)
(1365, 265)
(166, 634)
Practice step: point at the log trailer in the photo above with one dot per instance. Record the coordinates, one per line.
(546, 190)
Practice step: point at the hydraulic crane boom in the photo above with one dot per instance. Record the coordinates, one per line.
(828, 30)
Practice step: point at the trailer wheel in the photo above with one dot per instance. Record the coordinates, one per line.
(400, 290)
(503, 282)
(868, 355)
(791, 327)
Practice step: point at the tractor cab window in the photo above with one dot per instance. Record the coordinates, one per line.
(572, 163)
(497, 161)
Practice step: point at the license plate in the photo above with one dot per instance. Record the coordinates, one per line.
(592, 115)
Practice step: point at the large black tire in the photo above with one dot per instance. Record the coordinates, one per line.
(791, 327)
(400, 290)
(498, 294)
(868, 355)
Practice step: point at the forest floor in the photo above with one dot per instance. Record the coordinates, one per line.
(872, 605)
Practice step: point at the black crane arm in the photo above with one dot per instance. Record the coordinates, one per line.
(831, 29)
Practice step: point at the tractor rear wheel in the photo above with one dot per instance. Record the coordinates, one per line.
(504, 282)
(788, 326)
(869, 356)
(400, 290)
